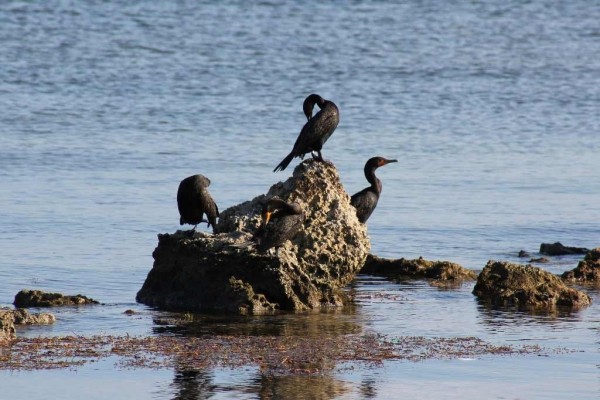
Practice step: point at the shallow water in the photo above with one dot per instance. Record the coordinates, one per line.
(491, 109)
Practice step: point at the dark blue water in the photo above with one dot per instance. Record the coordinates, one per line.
(492, 110)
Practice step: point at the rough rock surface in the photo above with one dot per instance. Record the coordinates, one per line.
(419, 268)
(7, 325)
(557, 249)
(587, 271)
(9, 318)
(506, 284)
(37, 298)
(199, 271)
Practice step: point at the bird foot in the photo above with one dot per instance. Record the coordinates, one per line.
(319, 157)
(191, 232)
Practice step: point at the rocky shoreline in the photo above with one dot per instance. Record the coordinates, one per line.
(500, 284)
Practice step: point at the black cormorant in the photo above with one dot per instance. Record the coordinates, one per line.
(365, 201)
(280, 221)
(193, 200)
(316, 131)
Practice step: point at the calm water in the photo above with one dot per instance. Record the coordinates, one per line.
(491, 109)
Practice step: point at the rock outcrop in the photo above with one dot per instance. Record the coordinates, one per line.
(417, 269)
(197, 271)
(587, 271)
(9, 318)
(506, 284)
(36, 298)
(7, 325)
(557, 249)
(523, 254)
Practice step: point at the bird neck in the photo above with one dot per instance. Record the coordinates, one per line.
(310, 102)
(372, 179)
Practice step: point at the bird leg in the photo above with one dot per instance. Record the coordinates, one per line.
(191, 232)
(317, 157)
(195, 226)
(321, 159)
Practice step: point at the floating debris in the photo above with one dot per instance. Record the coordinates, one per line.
(272, 354)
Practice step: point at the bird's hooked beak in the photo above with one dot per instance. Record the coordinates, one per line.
(266, 217)
(384, 162)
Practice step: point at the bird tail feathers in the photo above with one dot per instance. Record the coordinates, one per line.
(284, 163)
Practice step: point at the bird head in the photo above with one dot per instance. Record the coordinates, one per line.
(268, 208)
(309, 104)
(376, 162)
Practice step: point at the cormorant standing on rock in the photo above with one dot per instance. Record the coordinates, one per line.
(315, 132)
(193, 200)
(365, 201)
(280, 221)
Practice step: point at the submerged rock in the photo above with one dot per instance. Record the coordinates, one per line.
(557, 249)
(197, 271)
(36, 298)
(541, 260)
(9, 318)
(419, 268)
(506, 284)
(587, 271)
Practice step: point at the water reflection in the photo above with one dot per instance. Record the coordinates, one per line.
(495, 315)
(507, 315)
(301, 387)
(309, 324)
(556, 327)
(267, 381)
(368, 388)
(193, 384)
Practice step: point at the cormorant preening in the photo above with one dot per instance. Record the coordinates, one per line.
(365, 201)
(193, 200)
(280, 222)
(316, 131)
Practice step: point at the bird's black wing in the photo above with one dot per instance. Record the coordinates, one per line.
(365, 202)
(278, 232)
